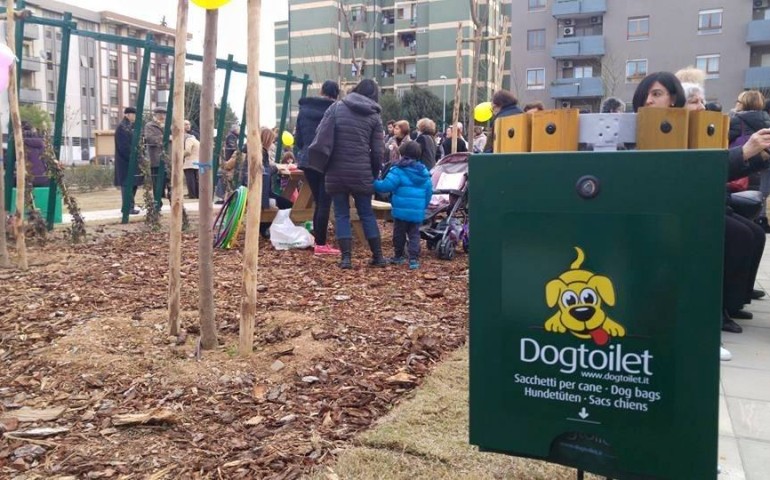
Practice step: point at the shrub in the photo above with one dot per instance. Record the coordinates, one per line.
(86, 178)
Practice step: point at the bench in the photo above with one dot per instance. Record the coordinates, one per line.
(381, 212)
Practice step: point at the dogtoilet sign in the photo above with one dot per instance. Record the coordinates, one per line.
(594, 332)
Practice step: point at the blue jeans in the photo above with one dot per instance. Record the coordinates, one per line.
(363, 203)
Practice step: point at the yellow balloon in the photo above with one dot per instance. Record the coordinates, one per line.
(211, 4)
(483, 112)
(287, 139)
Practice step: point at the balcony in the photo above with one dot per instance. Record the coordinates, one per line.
(30, 95)
(757, 78)
(759, 33)
(30, 64)
(578, 47)
(386, 82)
(31, 32)
(577, 87)
(387, 29)
(406, 24)
(406, 51)
(578, 8)
(406, 78)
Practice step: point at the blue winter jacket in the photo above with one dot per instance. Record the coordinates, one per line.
(410, 186)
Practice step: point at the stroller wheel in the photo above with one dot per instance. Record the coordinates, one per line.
(446, 249)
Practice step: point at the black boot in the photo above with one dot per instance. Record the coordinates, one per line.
(762, 222)
(346, 247)
(377, 259)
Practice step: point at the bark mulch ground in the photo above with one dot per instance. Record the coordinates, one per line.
(92, 386)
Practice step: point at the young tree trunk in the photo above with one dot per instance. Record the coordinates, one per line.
(477, 30)
(5, 260)
(21, 164)
(177, 160)
(458, 83)
(205, 197)
(254, 200)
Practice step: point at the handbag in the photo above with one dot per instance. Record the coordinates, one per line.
(747, 204)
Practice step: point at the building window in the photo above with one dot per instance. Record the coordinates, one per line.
(50, 85)
(639, 28)
(84, 91)
(536, 39)
(536, 5)
(583, 72)
(357, 14)
(113, 119)
(162, 74)
(114, 67)
(709, 64)
(710, 21)
(132, 70)
(27, 49)
(359, 41)
(535, 78)
(51, 97)
(90, 62)
(132, 94)
(114, 94)
(636, 70)
(27, 80)
(49, 60)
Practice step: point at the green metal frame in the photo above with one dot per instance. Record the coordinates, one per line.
(148, 45)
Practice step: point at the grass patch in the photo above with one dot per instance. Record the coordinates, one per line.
(426, 437)
(87, 178)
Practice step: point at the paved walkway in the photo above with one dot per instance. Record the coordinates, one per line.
(744, 403)
(99, 215)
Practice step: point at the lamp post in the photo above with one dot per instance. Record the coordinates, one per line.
(443, 111)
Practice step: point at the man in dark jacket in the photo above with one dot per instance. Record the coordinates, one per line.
(349, 146)
(124, 134)
(311, 111)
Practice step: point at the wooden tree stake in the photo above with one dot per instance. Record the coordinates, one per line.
(254, 199)
(458, 83)
(177, 160)
(205, 197)
(21, 164)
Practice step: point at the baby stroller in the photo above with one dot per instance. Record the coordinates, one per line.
(446, 219)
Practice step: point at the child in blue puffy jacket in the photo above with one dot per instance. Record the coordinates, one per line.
(410, 186)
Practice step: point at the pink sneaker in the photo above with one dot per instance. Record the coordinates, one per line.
(326, 250)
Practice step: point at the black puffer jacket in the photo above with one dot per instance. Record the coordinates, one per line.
(748, 122)
(311, 111)
(354, 129)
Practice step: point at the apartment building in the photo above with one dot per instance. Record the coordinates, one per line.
(576, 52)
(399, 43)
(103, 78)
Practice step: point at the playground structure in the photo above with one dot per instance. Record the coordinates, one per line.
(68, 28)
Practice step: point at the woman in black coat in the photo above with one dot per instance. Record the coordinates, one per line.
(311, 111)
(349, 147)
(750, 117)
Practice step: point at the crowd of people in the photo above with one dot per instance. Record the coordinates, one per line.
(348, 158)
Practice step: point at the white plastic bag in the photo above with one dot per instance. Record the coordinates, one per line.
(285, 235)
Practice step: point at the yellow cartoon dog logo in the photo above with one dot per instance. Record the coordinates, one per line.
(580, 295)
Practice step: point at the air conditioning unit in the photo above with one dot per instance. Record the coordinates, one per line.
(568, 22)
(566, 64)
(759, 3)
(596, 20)
(566, 104)
(569, 31)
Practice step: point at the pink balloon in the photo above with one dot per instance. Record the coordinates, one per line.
(6, 60)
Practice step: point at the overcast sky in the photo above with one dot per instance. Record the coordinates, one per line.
(232, 39)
